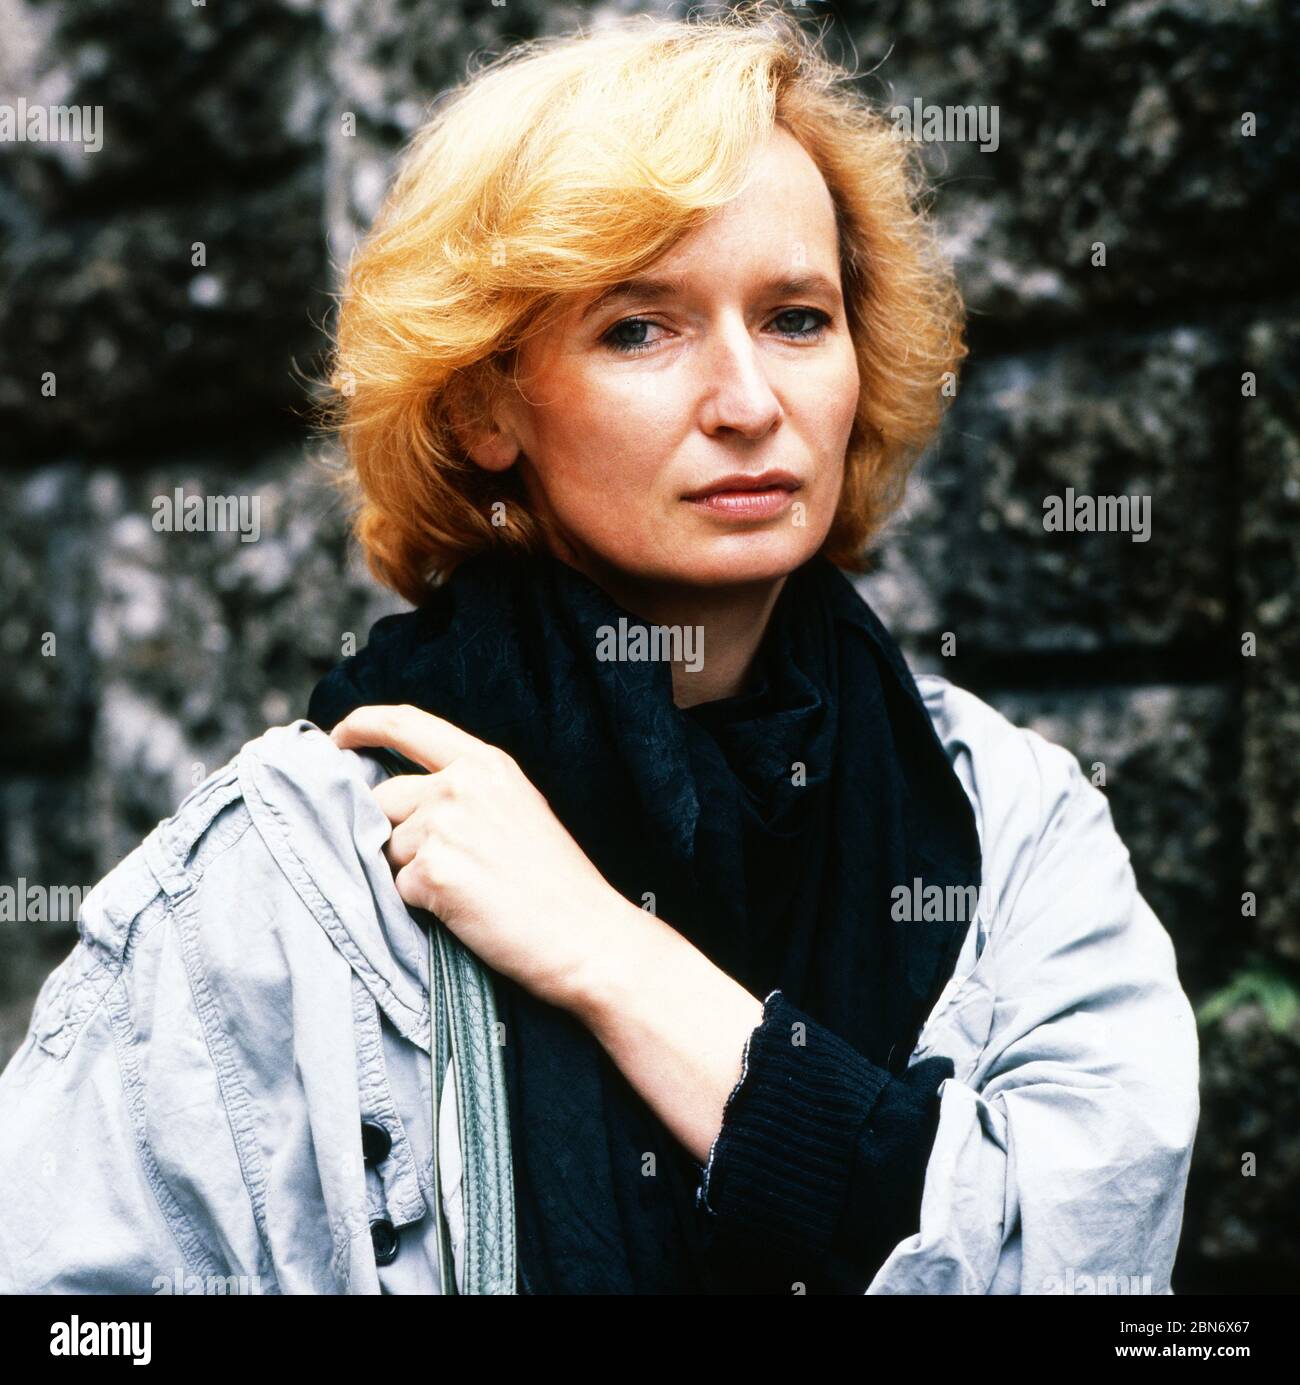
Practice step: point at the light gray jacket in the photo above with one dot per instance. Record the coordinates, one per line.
(185, 1113)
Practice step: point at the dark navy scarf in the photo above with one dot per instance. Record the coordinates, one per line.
(768, 828)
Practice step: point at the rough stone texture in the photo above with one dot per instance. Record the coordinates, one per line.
(47, 698)
(1243, 1222)
(1164, 758)
(202, 639)
(1137, 416)
(213, 131)
(1270, 563)
(1119, 124)
(267, 129)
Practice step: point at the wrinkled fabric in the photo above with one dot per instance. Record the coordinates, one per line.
(184, 1114)
(189, 1093)
(1065, 1134)
(769, 828)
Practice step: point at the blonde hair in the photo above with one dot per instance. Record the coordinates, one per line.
(566, 165)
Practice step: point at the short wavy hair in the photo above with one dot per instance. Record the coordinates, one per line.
(568, 164)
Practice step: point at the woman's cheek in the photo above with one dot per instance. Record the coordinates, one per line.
(602, 512)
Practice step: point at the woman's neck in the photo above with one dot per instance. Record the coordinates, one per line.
(726, 625)
(731, 623)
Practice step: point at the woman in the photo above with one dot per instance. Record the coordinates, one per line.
(682, 332)
(644, 342)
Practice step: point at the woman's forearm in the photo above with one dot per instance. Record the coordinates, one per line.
(673, 1022)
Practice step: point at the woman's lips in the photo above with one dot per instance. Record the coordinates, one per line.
(761, 504)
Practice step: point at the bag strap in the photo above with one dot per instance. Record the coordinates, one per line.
(483, 1117)
(440, 1040)
(463, 1025)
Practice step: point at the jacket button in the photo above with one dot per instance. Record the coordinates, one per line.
(383, 1235)
(375, 1143)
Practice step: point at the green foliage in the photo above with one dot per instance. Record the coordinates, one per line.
(1260, 983)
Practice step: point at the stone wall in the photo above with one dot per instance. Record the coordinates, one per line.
(173, 286)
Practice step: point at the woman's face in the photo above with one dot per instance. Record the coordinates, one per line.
(729, 362)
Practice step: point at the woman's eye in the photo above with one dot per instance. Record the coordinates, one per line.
(634, 324)
(637, 326)
(819, 322)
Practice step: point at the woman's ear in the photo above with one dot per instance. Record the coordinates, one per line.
(489, 442)
(494, 450)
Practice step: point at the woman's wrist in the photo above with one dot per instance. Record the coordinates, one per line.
(673, 1022)
(621, 944)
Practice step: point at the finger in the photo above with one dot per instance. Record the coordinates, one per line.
(404, 843)
(411, 885)
(401, 795)
(420, 736)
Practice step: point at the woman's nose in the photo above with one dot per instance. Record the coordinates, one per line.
(737, 391)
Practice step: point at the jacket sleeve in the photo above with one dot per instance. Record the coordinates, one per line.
(1049, 1153)
(79, 1210)
(1064, 1140)
(114, 1048)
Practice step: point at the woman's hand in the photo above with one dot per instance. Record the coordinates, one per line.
(476, 844)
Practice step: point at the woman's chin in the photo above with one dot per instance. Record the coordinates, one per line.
(744, 557)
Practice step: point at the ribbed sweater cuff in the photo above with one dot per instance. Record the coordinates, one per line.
(821, 1151)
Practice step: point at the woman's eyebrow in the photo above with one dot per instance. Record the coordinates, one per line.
(645, 289)
(648, 289)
